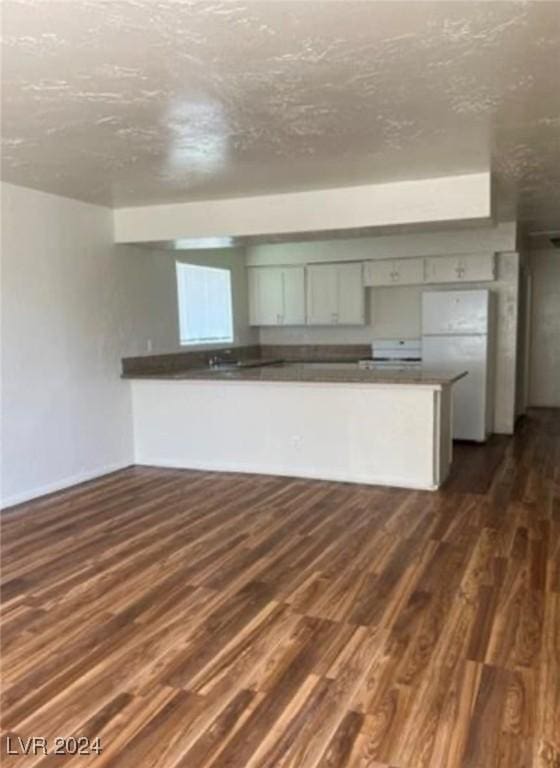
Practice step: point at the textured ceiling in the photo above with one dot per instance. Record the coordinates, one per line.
(145, 101)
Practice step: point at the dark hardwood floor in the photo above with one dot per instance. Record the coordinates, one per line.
(197, 619)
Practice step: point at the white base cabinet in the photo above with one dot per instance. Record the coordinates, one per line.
(277, 295)
(335, 294)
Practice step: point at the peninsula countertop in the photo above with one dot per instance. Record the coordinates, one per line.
(308, 372)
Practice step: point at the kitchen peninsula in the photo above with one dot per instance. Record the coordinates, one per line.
(328, 420)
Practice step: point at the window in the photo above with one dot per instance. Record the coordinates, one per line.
(204, 295)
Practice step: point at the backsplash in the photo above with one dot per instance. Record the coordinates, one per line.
(314, 352)
(180, 361)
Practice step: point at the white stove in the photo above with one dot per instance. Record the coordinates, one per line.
(394, 354)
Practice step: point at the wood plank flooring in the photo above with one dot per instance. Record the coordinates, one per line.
(203, 620)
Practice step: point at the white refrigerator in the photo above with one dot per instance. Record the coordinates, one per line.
(457, 334)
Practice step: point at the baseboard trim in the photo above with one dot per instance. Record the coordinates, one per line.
(61, 485)
(310, 474)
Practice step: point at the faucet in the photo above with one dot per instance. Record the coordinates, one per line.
(225, 358)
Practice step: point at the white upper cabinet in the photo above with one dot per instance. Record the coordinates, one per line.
(335, 294)
(472, 268)
(351, 294)
(322, 294)
(277, 295)
(394, 272)
(293, 291)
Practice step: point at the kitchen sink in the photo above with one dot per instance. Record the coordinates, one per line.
(235, 365)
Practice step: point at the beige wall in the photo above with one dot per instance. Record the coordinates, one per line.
(152, 324)
(544, 370)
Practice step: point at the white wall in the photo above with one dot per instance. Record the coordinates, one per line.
(464, 198)
(544, 370)
(500, 237)
(396, 312)
(151, 322)
(66, 415)
(523, 331)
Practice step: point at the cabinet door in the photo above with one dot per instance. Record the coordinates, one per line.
(478, 267)
(410, 271)
(293, 279)
(442, 269)
(471, 268)
(394, 272)
(322, 294)
(378, 273)
(266, 295)
(350, 294)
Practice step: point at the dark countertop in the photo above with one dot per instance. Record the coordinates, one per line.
(312, 372)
